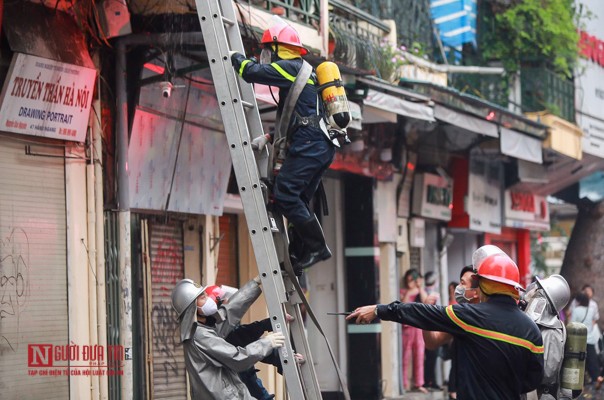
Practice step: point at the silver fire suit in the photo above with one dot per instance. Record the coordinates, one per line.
(553, 333)
(211, 362)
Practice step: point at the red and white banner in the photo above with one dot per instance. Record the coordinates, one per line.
(526, 210)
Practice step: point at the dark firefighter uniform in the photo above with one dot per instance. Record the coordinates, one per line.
(499, 348)
(309, 153)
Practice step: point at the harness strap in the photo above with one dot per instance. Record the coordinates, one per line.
(281, 128)
(311, 120)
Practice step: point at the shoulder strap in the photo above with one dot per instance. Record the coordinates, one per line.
(292, 99)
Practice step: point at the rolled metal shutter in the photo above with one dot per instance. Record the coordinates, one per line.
(33, 272)
(227, 253)
(167, 268)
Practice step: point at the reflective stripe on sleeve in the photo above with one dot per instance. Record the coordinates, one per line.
(502, 337)
(242, 67)
(288, 76)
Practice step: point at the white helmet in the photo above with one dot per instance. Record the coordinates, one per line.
(482, 253)
(184, 294)
(556, 289)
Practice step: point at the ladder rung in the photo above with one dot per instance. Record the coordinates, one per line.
(227, 21)
(247, 104)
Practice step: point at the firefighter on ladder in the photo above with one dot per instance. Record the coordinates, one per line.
(309, 149)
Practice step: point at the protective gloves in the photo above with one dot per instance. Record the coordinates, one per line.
(236, 58)
(276, 339)
(261, 141)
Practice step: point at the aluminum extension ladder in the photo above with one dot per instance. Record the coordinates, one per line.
(242, 123)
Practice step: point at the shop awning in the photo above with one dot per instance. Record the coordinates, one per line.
(563, 136)
(477, 107)
(356, 116)
(384, 86)
(382, 107)
(521, 146)
(465, 121)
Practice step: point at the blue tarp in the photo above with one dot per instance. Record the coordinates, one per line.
(592, 187)
(455, 20)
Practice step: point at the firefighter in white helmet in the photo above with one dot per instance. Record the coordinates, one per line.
(213, 363)
(543, 301)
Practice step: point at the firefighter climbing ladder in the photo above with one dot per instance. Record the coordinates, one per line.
(241, 120)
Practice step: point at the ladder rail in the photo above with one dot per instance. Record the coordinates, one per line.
(235, 98)
(244, 162)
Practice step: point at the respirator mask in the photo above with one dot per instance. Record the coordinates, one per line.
(463, 295)
(266, 56)
(209, 308)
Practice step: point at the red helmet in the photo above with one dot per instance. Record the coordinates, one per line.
(500, 268)
(285, 34)
(215, 293)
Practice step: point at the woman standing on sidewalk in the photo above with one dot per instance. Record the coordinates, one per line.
(412, 290)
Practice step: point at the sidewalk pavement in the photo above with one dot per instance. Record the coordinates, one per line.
(588, 394)
(415, 395)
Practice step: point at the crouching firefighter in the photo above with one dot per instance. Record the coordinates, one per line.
(542, 302)
(212, 363)
(302, 140)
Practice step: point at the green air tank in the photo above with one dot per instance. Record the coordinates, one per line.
(573, 367)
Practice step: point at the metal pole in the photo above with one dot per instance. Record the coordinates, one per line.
(324, 24)
(91, 232)
(124, 257)
(97, 151)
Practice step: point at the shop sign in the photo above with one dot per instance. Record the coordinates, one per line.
(484, 196)
(417, 232)
(592, 48)
(432, 197)
(46, 98)
(526, 210)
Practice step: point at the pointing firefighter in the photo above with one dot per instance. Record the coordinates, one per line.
(307, 144)
(499, 348)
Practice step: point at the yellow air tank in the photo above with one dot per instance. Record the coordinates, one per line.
(573, 366)
(333, 95)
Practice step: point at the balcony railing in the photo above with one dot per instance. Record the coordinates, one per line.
(493, 88)
(304, 11)
(542, 90)
(356, 35)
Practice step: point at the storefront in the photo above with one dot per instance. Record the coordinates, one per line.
(44, 114)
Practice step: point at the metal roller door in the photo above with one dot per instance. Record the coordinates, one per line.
(167, 268)
(33, 271)
(227, 252)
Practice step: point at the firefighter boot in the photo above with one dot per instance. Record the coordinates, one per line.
(315, 248)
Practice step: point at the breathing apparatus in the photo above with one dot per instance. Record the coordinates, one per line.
(573, 367)
(333, 95)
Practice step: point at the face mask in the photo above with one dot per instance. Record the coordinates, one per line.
(266, 56)
(460, 294)
(209, 308)
(536, 308)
